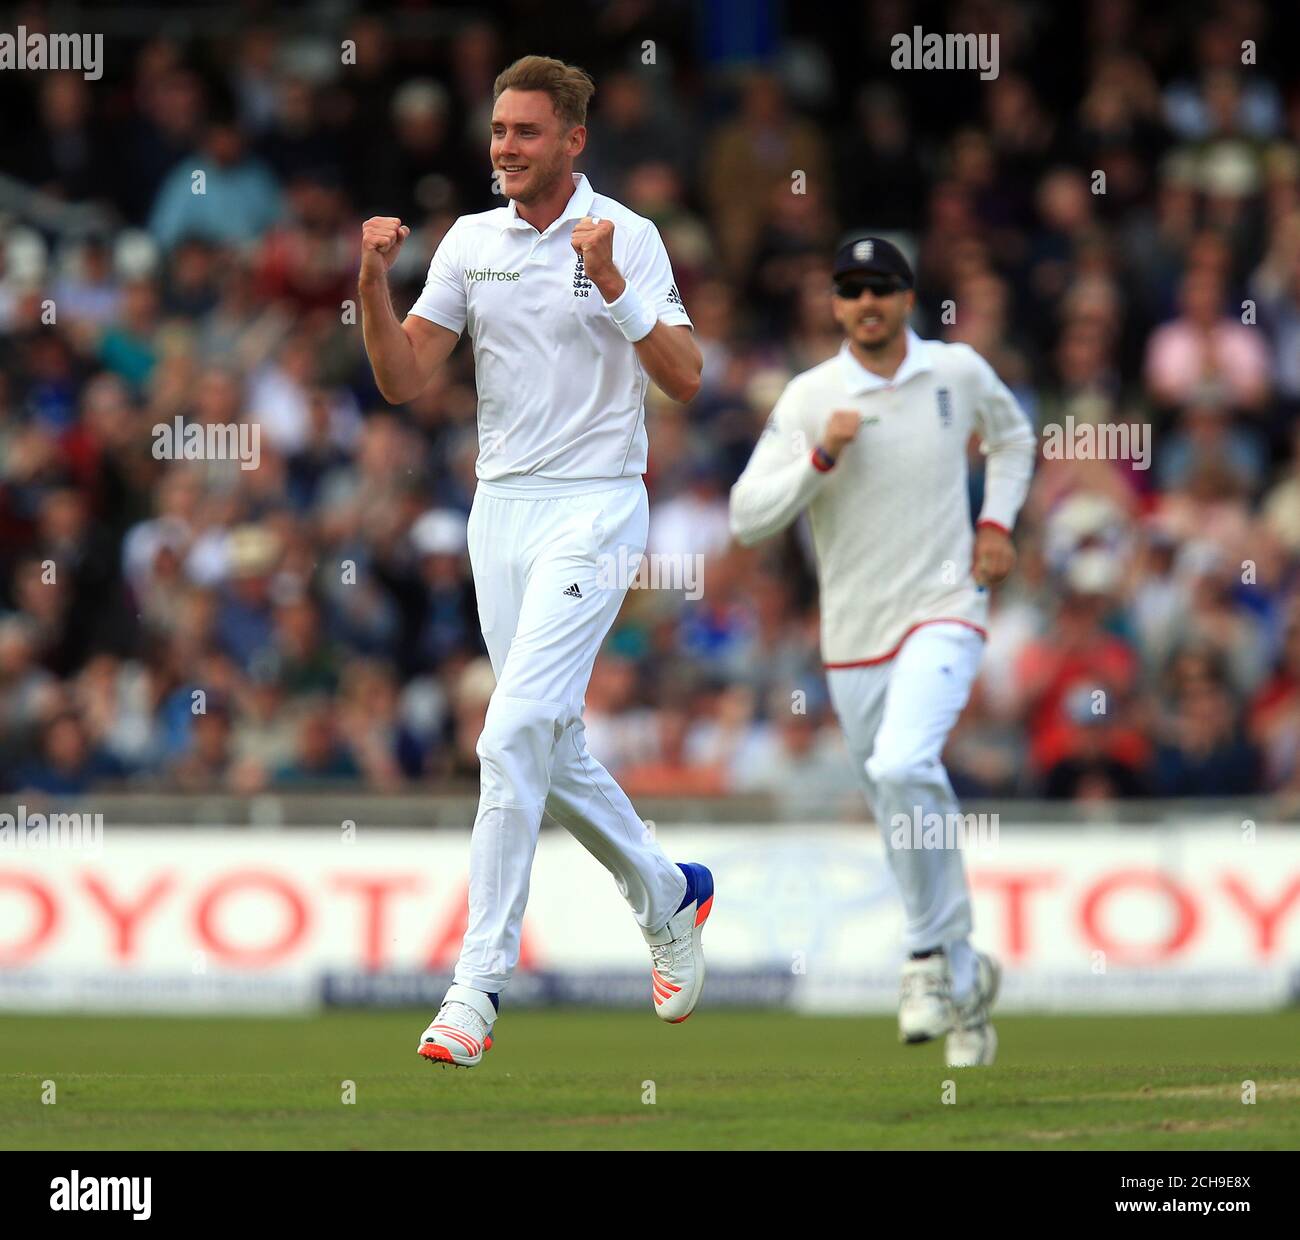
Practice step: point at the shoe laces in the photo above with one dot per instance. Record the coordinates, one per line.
(918, 983)
(974, 1012)
(463, 1017)
(666, 955)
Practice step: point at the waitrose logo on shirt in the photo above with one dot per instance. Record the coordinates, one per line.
(484, 274)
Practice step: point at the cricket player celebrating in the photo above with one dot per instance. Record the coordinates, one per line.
(570, 303)
(873, 444)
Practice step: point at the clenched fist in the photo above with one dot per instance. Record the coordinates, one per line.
(841, 429)
(381, 239)
(593, 238)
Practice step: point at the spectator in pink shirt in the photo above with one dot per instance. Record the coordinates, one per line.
(1206, 352)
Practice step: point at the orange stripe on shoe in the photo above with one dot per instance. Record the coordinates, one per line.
(431, 1050)
(456, 1036)
(703, 914)
(658, 977)
(459, 1034)
(469, 1045)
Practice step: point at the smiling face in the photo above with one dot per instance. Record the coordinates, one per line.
(872, 320)
(532, 148)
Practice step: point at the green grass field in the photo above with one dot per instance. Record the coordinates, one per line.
(574, 1080)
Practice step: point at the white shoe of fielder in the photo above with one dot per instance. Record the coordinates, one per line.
(973, 1043)
(925, 1009)
(462, 1030)
(677, 960)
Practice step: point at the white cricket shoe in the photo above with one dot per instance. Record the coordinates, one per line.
(462, 1030)
(973, 1043)
(925, 1009)
(677, 961)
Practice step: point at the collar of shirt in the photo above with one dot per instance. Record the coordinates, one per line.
(579, 204)
(859, 380)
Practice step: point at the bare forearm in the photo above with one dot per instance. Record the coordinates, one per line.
(669, 353)
(392, 355)
(672, 359)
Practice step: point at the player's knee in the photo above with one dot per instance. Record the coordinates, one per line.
(897, 771)
(515, 748)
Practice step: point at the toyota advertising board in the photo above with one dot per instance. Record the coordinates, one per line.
(1202, 917)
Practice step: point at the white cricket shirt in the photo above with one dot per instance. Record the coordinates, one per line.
(561, 392)
(891, 521)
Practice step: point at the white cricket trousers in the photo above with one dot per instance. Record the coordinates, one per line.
(547, 572)
(896, 717)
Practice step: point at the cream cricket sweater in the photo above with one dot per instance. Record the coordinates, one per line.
(891, 521)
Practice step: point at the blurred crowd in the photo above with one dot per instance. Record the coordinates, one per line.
(1114, 222)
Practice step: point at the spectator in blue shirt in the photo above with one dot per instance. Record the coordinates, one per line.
(239, 202)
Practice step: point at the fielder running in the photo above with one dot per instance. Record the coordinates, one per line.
(570, 303)
(873, 444)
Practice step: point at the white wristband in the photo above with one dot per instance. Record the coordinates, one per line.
(634, 318)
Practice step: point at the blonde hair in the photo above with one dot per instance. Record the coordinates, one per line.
(569, 87)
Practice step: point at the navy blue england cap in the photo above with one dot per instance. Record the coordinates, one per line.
(872, 256)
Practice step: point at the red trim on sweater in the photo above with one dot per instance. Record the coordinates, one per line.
(884, 658)
(997, 525)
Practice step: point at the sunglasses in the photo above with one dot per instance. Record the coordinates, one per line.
(852, 287)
